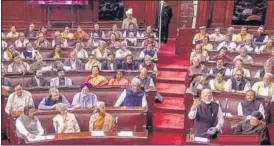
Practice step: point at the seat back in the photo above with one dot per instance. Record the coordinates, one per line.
(109, 98)
(127, 120)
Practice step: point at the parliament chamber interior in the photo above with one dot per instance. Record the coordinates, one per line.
(121, 72)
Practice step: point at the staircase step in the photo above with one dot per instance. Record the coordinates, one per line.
(169, 121)
(171, 76)
(164, 138)
(171, 105)
(172, 67)
(167, 89)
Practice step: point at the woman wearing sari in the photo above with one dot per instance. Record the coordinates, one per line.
(95, 79)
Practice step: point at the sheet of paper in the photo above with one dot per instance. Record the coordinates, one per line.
(125, 133)
(201, 139)
(227, 115)
(97, 133)
(40, 138)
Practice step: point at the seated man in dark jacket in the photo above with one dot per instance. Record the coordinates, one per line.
(250, 104)
(50, 102)
(111, 63)
(237, 83)
(132, 97)
(255, 125)
(38, 80)
(130, 64)
(145, 80)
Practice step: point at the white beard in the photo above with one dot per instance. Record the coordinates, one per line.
(207, 102)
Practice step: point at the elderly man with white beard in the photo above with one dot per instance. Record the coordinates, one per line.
(207, 115)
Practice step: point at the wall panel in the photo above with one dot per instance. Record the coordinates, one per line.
(13, 13)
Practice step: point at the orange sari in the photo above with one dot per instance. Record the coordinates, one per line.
(99, 123)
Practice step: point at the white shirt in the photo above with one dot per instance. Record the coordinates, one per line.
(20, 44)
(261, 49)
(55, 82)
(111, 66)
(228, 86)
(241, 113)
(246, 60)
(73, 65)
(81, 54)
(16, 103)
(192, 115)
(216, 38)
(246, 72)
(231, 46)
(264, 90)
(65, 43)
(4, 45)
(22, 130)
(248, 47)
(122, 54)
(70, 125)
(23, 67)
(123, 96)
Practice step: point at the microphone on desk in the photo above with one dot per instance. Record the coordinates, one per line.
(56, 128)
(116, 123)
(226, 107)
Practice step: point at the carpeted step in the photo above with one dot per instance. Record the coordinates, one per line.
(168, 89)
(164, 138)
(169, 122)
(171, 77)
(171, 105)
(172, 67)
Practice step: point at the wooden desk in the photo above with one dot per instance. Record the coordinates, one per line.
(110, 138)
(230, 140)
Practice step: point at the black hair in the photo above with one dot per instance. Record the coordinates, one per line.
(96, 66)
(27, 109)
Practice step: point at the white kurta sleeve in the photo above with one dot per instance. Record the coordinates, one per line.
(239, 110)
(21, 128)
(121, 98)
(220, 118)
(144, 101)
(192, 114)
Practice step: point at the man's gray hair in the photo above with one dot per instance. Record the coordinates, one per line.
(135, 81)
(102, 42)
(99, 103)
(61, 107)
(53, 90)
(268, 74)
(147, 57)
(196, 58)
(205, 91)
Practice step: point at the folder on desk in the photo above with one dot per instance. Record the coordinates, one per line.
(125, 133)
(97, 133)
(201, 139)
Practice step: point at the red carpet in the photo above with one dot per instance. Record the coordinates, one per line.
(169, 118)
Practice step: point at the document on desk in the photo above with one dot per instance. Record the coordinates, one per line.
(40, 138)
(125, 133)
(201, 139)
(229, 115)
(97, 133)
